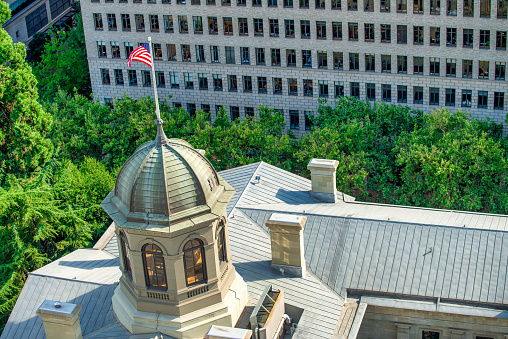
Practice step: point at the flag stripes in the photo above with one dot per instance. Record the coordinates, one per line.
(141, 54)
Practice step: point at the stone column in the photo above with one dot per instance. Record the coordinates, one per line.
(403, 330)
(61, 320)
(323, 177)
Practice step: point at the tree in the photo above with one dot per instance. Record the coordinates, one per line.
(64, 61)
(23, 123)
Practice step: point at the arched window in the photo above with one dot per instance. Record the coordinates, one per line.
(221, 243)
(155, 273)
(126, 262)
(194, 261)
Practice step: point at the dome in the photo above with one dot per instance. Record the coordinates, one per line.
(163, 181)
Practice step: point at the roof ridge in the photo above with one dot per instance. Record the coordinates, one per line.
(246, 188)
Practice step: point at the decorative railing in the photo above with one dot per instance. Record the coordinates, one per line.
(157, 295)
(224, 273)
(197, 291)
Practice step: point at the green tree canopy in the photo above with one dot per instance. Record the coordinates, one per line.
(23, 123)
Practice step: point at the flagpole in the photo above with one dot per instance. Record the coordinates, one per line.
(157, 112)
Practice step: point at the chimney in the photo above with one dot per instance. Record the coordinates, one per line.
(61, 320)
(286, 235)
(322, 172)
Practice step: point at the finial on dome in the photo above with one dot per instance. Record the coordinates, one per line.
(161, 138)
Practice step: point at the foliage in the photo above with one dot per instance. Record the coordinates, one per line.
(64, 61)
(23, 122)
(36, 47)
(46, 216)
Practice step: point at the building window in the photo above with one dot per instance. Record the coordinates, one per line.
(354, 90)
(468, 38)
(171, 48)
(235, 113)
(194, 262)
(484, 39)
(451, 37)
(203, 81)
(186, 54)
(308, 120)
(247, 84)
(232, 84)
(401, 94)
(418, 95)
(466, 98)
(352, 5)
(435, 7)
(206, 109)
(189, 82)
(368, 5)
(221, 237)
(249, 112)
(289, 26)
(228, 26)
(272, 3)
(294, 119)
(323, 88)
(198, 24)
(386, 63)
(133, 80)
(500, 40)
(262, 85)
(418, 65)
(451, 67)
(353, 31)
(434, 64)
(57, 7)
(304, 4)
(140, 22)
(430, 335)
(292, 87)
(157, 51)
(183, 24)
(275, 54)
(277, 86)
(369, 32)
(160, 80)
(274, 27)
(306, 58)
(433, 96)
(418, 35)
(305, 29)
(385, 6)
(339, 89)
(288, 3)
(370, 90)
(173, 78)
(321, 29)
(119, 77)
(213, 27)
(112, 22)
(154, 23)
(101, 49)
(401, 64)
(500, 70)
(451, 7)
(322, 59)
(126, 22)
(467, 69)
(145, 76)
(468, 7)
(214, 53)
(370, 62)
(217, 82)
(97, 19)
(386, 33)
(243, 26)
(125, 258)
(336, 4)
(230, 55)
(401, 34)
(338, 60)
(337, 30)
(435, 36)
(256, 3)
(115, 49)
(386, 92)
(307, 88)
(354, 61)
(483, 70)
(450, 97)
(200, 53)
(485, 8)
(501, 9)
(417, 6)
(498, 100)
(258, 27)
(291, 57)
(401, 6)
(320, 4)
(105, 76)
(244, 51)
(260, 56)
(483, 99)
(153, 262)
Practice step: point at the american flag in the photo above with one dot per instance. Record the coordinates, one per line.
(142, 53)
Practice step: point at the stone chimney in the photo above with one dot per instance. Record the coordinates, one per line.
(61, 320)
(322, 173)
(286, 235)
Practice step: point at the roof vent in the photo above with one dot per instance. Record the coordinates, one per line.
(61, 320)
(322, 173)
(286, 235)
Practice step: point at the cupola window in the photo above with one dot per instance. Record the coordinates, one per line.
(194, 261)
(155, 273)
(125, 258)
(221, 243)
